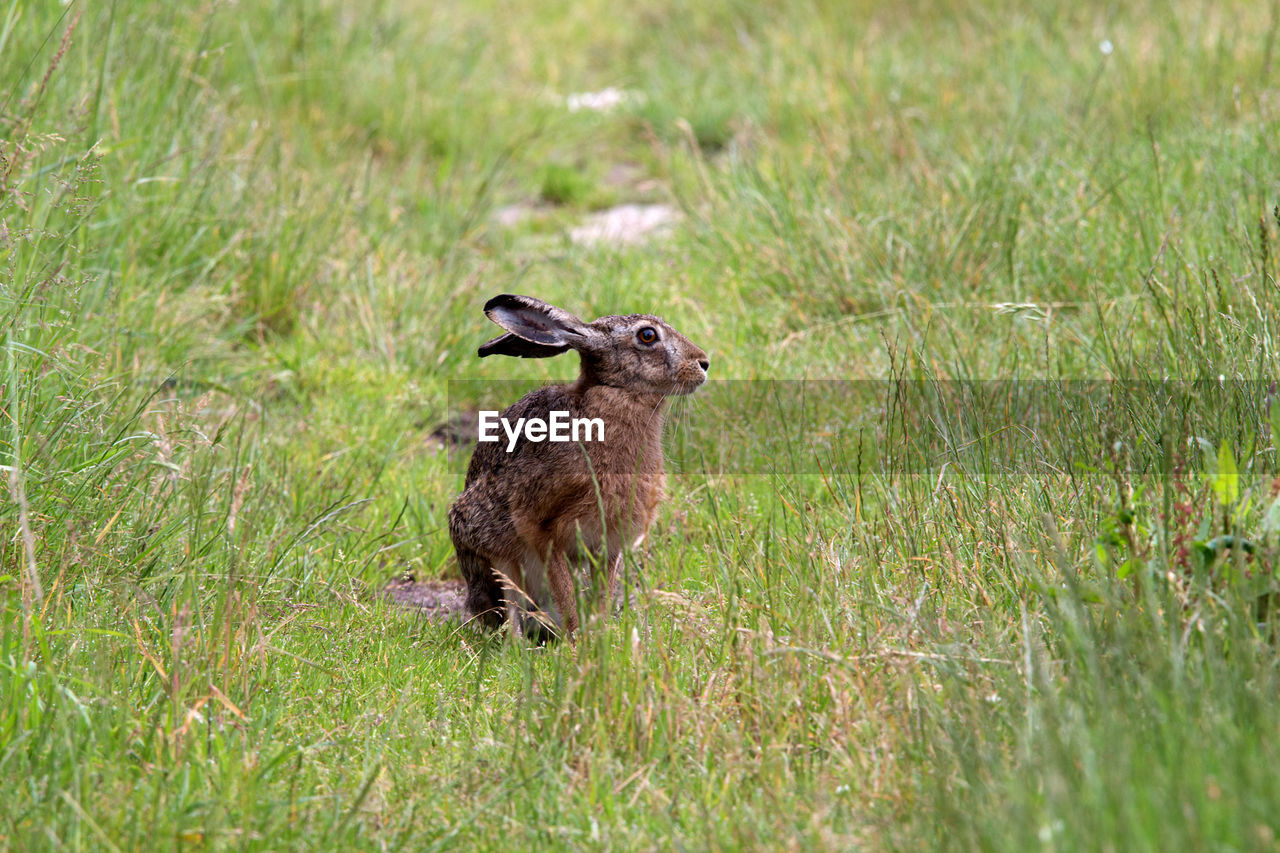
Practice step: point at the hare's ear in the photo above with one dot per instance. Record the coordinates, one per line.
(515, 347)
(537, 329)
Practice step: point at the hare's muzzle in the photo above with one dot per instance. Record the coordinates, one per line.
(693, 372)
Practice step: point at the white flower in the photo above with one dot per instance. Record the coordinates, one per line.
(1106, 47)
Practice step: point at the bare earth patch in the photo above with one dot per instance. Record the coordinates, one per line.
(626, 224)
(622, 225)
(434, 600)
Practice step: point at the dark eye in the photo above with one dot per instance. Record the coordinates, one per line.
(647, 335)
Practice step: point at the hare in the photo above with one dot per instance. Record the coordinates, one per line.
(533, 514)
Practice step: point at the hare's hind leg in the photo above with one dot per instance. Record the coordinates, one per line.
(485, 597)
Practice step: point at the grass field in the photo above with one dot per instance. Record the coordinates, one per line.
(243, 251)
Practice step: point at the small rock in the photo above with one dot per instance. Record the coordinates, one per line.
(599, 102)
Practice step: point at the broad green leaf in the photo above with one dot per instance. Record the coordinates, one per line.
(1271, 519)
(1226, 482)
(1274, 418)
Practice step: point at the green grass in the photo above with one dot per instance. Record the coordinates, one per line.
(243, 253)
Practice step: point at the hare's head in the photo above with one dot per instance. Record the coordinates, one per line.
(638, 352)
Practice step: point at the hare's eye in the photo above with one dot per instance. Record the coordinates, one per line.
(647, 335)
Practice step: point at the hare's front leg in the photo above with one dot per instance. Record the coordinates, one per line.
(560, 579)
(610, 590)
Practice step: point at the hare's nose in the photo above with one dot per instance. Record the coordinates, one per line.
(705, 363)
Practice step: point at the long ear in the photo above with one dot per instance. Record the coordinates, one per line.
(515, 347)
(550, 330)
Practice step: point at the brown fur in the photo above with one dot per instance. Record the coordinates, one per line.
(529, 521)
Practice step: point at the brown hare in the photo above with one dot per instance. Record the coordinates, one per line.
(535, 514)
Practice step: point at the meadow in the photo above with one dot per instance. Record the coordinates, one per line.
(1011, 265)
